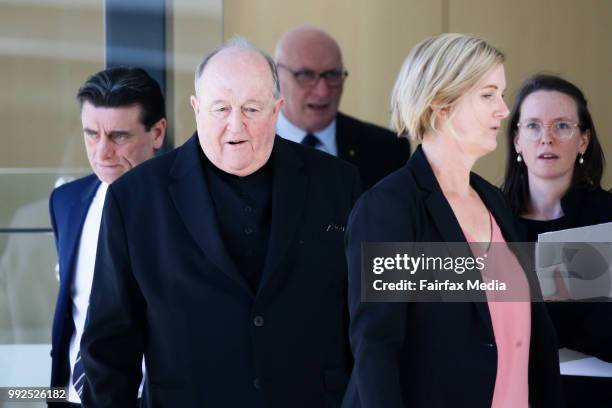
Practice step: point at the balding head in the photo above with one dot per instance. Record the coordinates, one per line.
(239, 43)
(302, 49)
(307, 38)
(236, 109)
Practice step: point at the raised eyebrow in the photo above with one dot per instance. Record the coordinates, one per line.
(89, 131)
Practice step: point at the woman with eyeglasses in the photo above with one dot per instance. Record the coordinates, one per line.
(472, 353)
(553, 182)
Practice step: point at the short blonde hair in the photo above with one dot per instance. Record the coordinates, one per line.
(436, 73)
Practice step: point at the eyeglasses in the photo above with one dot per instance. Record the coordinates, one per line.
(309, 77)
(534, 129)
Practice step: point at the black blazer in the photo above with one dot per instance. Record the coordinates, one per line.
(581, 326)
(165, 286)
(374, 150)
(431, 354)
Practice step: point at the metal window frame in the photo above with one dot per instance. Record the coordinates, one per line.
(135, 34)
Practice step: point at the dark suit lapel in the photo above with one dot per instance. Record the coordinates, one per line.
(191, 196)
(343, 140)
(437, 205)
(69, 249)
(446, 222)
(502, 215)
(288, 198)
(505, 219)
(74, 227)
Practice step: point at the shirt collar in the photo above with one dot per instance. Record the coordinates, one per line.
(101, 192)
(327, 136)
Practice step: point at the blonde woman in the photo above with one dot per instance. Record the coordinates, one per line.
(448, 96)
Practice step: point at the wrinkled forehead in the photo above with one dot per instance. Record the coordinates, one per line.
(239, 74)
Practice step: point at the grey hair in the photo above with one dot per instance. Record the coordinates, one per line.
(243, 44)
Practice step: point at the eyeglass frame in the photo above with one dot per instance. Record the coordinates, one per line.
(318, 75)
(554, 130)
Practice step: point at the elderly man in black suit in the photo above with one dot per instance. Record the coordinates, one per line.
(222, 262)
(312, 77)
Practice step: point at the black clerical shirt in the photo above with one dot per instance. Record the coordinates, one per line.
(243, 209)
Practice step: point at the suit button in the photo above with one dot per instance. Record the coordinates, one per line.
(248, 230)
(257, 384)
(490, 345)
(258, 321)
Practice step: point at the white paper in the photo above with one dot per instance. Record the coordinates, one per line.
(575, 363)
(579, 259)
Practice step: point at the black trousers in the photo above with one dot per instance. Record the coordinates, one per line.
(63, 405)
(73, 405)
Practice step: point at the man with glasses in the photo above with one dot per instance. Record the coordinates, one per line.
(312, 78)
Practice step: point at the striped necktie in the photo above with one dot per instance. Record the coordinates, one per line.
(78, 375)
(311, 140)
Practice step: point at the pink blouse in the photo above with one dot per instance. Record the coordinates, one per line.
(511, 318)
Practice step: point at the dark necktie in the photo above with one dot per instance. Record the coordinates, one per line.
(311, 140)
(78, 375)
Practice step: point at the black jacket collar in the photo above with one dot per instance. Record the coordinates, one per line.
(191, 196)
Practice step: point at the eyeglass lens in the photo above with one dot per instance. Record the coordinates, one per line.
(333, 77)
(560, 129)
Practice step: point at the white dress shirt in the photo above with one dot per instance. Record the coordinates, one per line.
(82, 281)
(326, 136)
(83, 277)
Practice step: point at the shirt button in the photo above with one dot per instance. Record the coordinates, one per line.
(248, 230)
(519, 344)
(258, 321)
(257, 384)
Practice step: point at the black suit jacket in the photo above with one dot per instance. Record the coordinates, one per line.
(165, 286)
(431, 355)
(374, 150)
(582, 326)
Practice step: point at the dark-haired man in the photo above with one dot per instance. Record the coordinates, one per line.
(124, 123)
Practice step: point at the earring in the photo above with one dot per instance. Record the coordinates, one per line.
(581, 160)
(519, 158)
